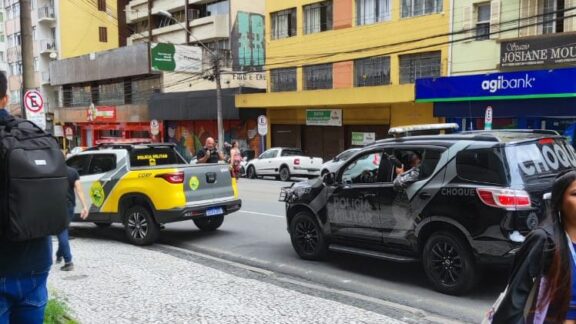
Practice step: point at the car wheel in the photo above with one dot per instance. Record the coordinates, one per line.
(284, 174)
(209, 224)
(251, 172)
(141, 228)
(103, 225)
(449, 264)
(307, 237)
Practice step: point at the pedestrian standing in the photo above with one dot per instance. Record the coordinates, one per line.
(74, 189)
(209, 153)
(542, 287)
(24, 266)
(235, 159)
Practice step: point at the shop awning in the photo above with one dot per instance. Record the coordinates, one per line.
(553, 107)
(195, 105)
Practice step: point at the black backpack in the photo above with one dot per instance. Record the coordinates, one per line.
(33, 182)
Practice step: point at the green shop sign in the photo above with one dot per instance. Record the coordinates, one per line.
(324, 117)
(175, 58)
(360, 139)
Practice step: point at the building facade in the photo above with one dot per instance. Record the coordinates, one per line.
(232, 29)
(60, 28)
(506, 55)
(342, 69)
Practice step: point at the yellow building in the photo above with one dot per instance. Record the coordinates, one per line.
(340, 68)
(87, 26)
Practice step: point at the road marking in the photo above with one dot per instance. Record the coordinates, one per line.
(261, 214)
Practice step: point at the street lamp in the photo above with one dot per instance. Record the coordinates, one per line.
(215, 60)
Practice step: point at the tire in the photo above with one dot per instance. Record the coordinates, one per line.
(209, 224)
(307, 237)
(449, 264)
(251, 173)
(284, 174)
(141, 228)
(103, 225)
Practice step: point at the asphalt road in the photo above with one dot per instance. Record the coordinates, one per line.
(257, 236)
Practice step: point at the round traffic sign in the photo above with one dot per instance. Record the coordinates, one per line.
(262, 125)
(33, 101)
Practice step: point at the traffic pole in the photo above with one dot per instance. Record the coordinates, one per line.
(28, 77)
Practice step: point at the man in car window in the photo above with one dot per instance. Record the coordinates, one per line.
(209, 154)
(405, 178)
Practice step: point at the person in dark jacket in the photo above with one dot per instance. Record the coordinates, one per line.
(541, 288)
(24, 266)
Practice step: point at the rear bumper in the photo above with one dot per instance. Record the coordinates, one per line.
(187, 213)
(306, 171)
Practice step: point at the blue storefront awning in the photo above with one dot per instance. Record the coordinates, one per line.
(554, 107)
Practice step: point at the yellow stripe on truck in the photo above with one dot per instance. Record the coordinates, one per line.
(161, 193)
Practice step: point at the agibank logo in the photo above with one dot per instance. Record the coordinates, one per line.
(502, 83)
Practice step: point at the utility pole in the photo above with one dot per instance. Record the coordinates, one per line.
(217, 75)
(150, 35)
(28, 77)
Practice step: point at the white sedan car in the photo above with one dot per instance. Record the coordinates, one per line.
(335, 163)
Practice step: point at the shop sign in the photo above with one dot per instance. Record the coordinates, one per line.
(513, 85)
(548, 50)
(101, 113)
(176, 58)
(58, 131)
(359, 138)
(324, 117)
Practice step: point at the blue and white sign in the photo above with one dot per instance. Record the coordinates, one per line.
(514, 85)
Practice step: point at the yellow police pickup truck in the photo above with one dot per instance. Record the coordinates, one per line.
(145, 186)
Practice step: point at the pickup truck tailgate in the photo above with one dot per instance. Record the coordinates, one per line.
(207, 184)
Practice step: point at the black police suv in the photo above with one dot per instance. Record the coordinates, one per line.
(476, 196)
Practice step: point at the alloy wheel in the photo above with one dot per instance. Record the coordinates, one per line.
(446, 262)
(137, 225)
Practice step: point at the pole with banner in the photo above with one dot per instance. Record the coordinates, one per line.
(262, 130)
(488, 118)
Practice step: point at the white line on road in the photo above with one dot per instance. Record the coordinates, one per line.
(261, 214)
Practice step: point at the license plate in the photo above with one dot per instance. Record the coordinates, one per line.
(214, 211)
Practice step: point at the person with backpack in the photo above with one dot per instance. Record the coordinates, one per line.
(74, 188)
(32, 207)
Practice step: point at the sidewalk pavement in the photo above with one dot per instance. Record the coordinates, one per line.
(116, 282)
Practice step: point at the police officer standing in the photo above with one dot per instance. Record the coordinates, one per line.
(209, 154)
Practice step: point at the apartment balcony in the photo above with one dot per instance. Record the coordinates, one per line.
(137, 10)
(47, 46)
(46, 14)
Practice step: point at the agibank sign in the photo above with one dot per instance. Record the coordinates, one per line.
(514, 85)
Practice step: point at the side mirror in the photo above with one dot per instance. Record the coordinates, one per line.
(329, 178)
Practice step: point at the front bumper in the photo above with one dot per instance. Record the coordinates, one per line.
(192, 212)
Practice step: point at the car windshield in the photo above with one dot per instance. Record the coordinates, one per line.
(344, 156)
(541, 159)
(292, 152)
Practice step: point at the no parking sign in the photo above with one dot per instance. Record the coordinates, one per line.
(34, 104)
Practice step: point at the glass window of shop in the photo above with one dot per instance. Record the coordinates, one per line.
(143, 89)
(111, 93)
(372, 71)
(81, 96)
(318, 77)
(283, 79)
(421, 65)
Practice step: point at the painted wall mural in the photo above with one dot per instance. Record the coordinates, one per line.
(248, 42)
(190, 136)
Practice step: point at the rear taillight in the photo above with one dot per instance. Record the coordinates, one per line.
(504, 198)
(174, 177)
(296, 161)
(546, 141)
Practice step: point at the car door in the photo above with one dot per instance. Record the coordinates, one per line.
(264, 164)
(355, 206)
(95, 172)
(408, 204)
